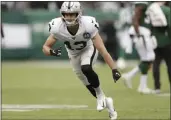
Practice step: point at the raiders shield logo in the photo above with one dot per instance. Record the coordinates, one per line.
(86, 35)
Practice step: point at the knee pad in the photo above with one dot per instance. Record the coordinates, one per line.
(91, 75)
(144, 67)
(82, 77)
(86, 69)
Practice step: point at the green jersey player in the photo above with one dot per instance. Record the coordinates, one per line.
(141, 37)
(161, 29)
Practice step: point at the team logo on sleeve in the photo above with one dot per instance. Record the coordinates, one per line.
(86, 35)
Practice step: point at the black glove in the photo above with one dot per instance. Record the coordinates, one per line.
(116, 75)
(56, 52)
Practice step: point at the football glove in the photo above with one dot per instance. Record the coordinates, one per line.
(56, 52)
(116, 75)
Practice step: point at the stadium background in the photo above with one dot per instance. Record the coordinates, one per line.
(30, 78)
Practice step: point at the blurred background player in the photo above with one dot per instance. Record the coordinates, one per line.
(159, 15)
(81, 38)
(122, 25)
(141, 36)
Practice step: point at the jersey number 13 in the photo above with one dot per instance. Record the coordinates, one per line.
(79, 45)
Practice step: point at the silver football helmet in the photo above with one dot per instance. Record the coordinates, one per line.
(71, 7)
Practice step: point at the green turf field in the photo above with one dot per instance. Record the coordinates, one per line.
(43, 85)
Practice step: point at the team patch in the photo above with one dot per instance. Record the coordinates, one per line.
(86, 35)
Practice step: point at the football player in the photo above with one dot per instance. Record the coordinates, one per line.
(82, 41)
(145, 44)
(159, 15)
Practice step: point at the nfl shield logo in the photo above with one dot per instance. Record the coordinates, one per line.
(86, 35)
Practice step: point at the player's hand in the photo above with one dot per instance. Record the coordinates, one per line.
(56, 52)
(116, 75)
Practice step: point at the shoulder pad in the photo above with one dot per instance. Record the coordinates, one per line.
(54, 25)
(89, 20)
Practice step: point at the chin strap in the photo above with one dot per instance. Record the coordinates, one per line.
(75, 22)
(71, 24)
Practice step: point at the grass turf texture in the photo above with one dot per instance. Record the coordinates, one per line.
(51, 84)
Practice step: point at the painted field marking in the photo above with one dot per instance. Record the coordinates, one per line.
(29, 107)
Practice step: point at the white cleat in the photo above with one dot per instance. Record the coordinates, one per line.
(101, 103)
(146, 90)
(110, 108)
(113, 116)
(127, 81)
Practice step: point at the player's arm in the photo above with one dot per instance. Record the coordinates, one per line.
(98, 43)
(47, 47)
(136, 18)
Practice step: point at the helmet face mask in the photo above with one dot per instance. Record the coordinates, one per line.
(71, 12)
(70, 18)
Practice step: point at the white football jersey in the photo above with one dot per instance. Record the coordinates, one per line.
(88, 27)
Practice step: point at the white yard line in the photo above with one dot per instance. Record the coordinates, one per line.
(29, 107)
